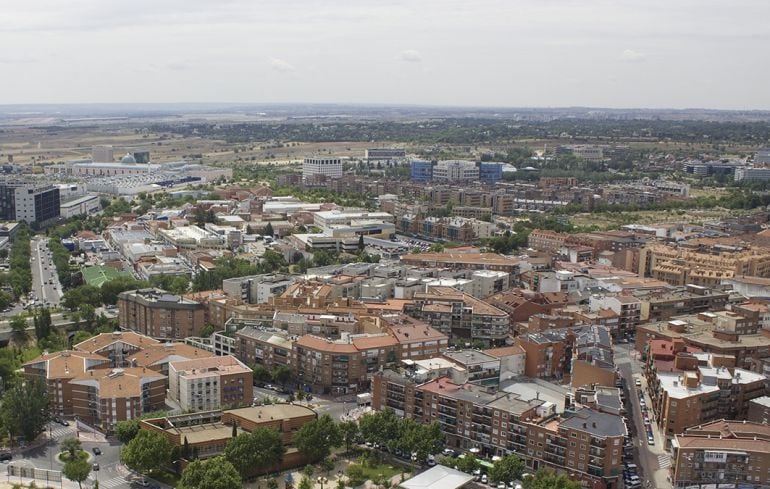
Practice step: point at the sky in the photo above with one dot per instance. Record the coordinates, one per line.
(506, 53)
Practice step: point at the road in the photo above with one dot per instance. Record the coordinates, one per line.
(111, 473)
(654, 460)
(45, 281)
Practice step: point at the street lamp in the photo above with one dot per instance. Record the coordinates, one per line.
(322, 481)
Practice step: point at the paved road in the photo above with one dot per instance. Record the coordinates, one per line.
(111, 473)
(654, 460)
(45, 281)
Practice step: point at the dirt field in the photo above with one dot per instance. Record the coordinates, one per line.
(613, 220)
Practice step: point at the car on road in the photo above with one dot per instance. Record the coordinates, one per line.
(95, 467)
(96, 450)
(5, 456)
(64, 422)
(142, 482)
(650, 440)
(484, 479)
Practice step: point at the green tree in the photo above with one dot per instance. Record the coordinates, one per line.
(281, 374)
(19, 334)
(214, 473)
(272, 483)
(305, 483)
(77, 470)
(261, 374)
(468, 464)
(507, 469)
(349, 432)
(361, 245)
(315, 439)
(262, 448)
(380, 427)
(71, 445)
(547, 479)
(268, 231)
(207, 331)
(25, 409)
(125, 431)
(147, 451)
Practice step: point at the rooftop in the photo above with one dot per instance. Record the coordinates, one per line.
(438, 477)
(118, 382)
(165, 353)
(596, 423)
(260, 414)
(201, 367)
(102, 341)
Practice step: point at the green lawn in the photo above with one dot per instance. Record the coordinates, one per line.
(98, 275)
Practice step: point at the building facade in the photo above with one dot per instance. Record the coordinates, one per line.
(158, 314)
(328, 167)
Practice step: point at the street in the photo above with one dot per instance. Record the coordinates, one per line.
(111, 473)
(654, 460)
(45, 281)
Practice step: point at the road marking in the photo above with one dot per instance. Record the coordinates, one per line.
(64, 430)
(664, 461)
(115, 481)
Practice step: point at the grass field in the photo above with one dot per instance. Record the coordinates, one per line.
(98, 275)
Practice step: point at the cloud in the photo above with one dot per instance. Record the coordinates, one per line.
(632, 56)
(410, 56)
(281, 65)
(14, 60)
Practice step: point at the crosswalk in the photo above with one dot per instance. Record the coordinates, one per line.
(62, 431)
(114, 482)
(664, 461)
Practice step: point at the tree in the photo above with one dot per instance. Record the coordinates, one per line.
(71, 445)
(468, 464)
(315, 439)
(547, 479)
(507, 469)
(268, 231)
(361, 245)
(214, 473)
(349, 432)
(305, 483)
(272, 483)
(380, 427)
(127, 430)
(25, 409)
(77, 470)
(262, 448)
(148, 451)
(19, 334)
(261, 374)
(281, 374)
(207, 331)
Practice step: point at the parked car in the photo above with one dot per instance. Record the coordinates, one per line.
(5, 456)
(96, 450)
(64, 422)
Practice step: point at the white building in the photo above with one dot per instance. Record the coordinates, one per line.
(203, 384)
(327, 219)
(192, 237)
(81, 206)
(328, 166)
(454, 170)
(488, 282)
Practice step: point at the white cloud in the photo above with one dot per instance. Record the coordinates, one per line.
(281, 65)
(410, 55)
(632, 56)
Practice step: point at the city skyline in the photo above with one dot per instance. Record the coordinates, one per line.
(491, 53)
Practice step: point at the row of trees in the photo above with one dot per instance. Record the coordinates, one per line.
(399, 434)
(19, 276)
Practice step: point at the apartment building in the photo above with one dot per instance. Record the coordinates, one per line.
(659, 305)
(464, 261)
(103, 397)
(117, 346)
(460, 316)
(705, 266)
(207, 384)
(159, 314)
(587, 444)
(157, 356)
(22, 201)
(268, 347)
(684, 399)
(476, 367)
(57, 370)
(417, 340)
(627, 307)
(343, 366)
(722, 454)
(548, 353)
(759, 410)
(257, 289)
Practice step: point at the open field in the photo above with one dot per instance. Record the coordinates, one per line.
(612, 220)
